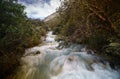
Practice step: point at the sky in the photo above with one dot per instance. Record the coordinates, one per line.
(39, 9)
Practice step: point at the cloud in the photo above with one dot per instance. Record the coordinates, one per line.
(40, 8)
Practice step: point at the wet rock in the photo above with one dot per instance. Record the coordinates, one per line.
(71, 58)
(90, 68)
(89, 52)
(32, 53)
(38, 52)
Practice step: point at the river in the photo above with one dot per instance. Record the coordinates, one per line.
(48, 62)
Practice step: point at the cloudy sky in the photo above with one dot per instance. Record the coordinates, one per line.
(40, 8)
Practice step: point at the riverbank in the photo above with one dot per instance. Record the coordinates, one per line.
(10, 61)
(113, 60)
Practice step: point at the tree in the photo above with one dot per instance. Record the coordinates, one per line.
(11, 13)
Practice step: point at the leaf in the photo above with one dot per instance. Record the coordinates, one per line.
(114, 44)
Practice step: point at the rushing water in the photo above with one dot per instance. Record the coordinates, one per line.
(48, 62)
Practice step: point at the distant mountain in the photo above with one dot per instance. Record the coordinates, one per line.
(51, 17)
(52, 20)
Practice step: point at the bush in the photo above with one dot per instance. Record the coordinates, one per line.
(17, 33)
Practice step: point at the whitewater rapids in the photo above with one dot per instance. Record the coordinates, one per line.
(48, 62)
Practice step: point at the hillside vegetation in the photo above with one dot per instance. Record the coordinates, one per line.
(52, 21)
(94, 23)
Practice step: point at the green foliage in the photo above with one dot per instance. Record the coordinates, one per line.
(17, 33)
(98, 39)
(113, 48)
